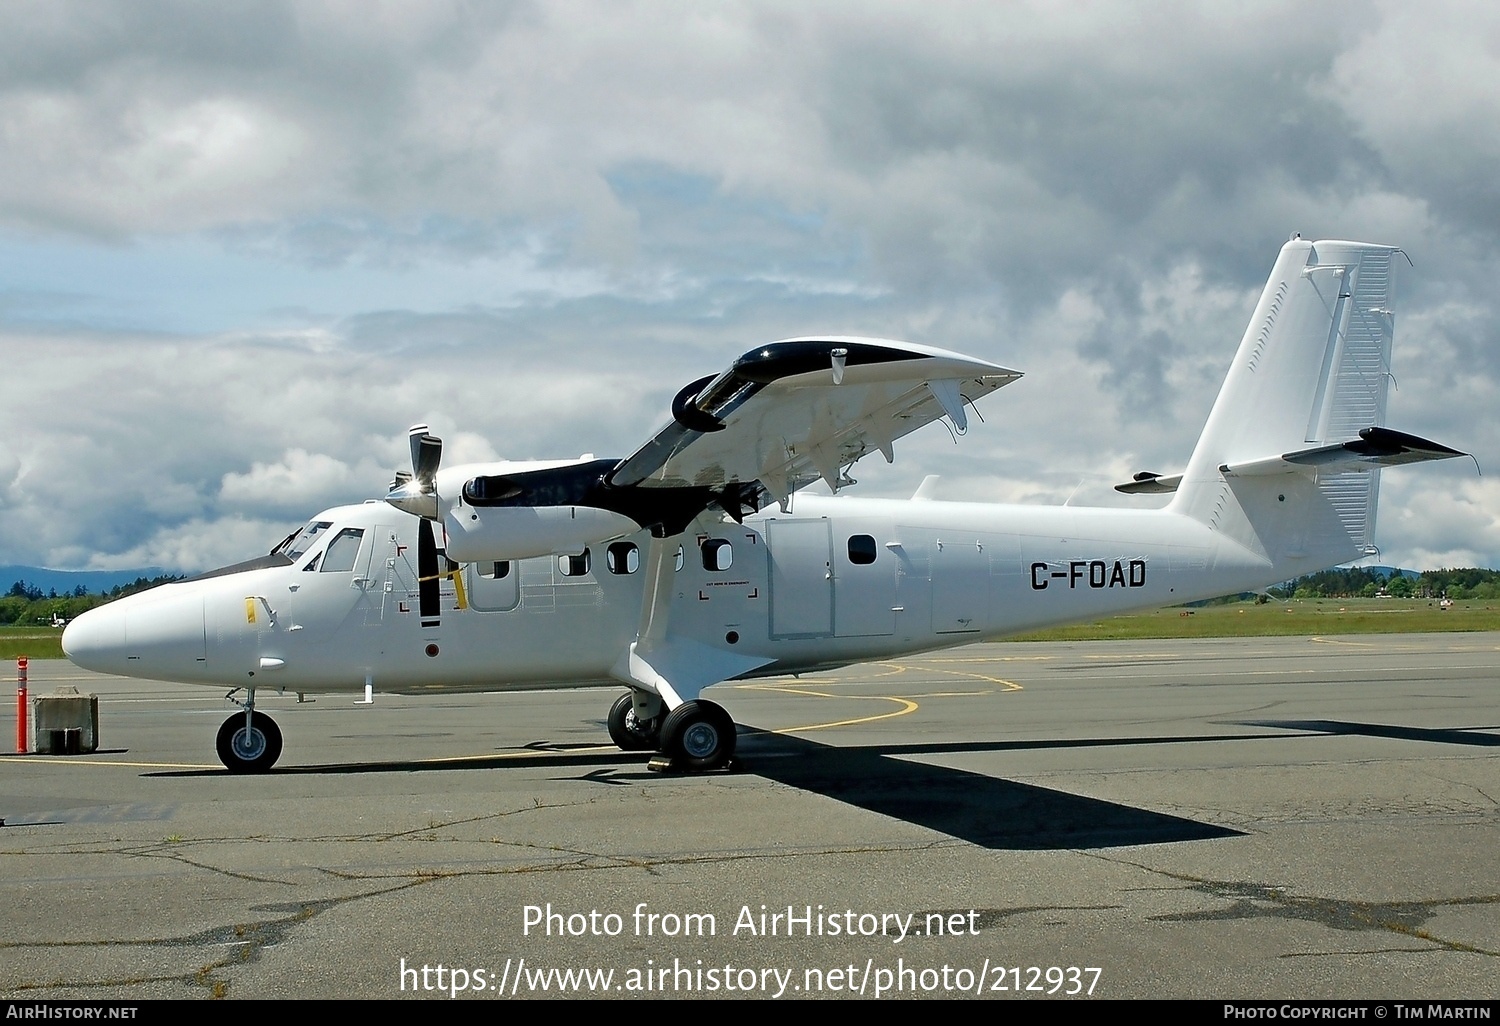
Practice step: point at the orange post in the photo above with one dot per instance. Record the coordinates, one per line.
(21, 706)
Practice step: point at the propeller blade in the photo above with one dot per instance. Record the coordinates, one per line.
(426, 456)
(429, 597)
(415, 491)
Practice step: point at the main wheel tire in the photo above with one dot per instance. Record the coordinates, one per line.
(249, 751)
(698, 736)
(630, 733)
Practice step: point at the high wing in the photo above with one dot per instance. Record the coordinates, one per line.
(793, 411)
(779, 417)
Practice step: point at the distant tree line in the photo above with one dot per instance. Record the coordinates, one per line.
(25, 605)
(1364, 582)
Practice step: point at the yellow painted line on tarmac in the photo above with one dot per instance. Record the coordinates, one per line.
(1403, 648)
(1005, 685)
(75, 760)
(998, 659)
(34, 679)
(826, 682)
(174, 699)
(530, 753)
(907, 706)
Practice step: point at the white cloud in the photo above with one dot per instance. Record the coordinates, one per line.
(199, 544)
(299, 482)
(242, 249)
(1432, 127)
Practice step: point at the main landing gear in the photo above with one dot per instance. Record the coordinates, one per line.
(629, 730)
(249, 742)
(697, 736)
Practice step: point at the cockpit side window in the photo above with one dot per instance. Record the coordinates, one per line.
(341, 551)
(303, 540)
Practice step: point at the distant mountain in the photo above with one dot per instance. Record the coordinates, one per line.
(64, 581)
(1391, 571)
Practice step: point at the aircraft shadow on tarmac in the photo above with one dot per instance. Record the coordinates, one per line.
(1439, 735)
(985, 811)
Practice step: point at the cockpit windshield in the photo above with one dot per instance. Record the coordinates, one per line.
(297, 544)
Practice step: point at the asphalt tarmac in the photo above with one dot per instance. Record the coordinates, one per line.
(1248, 818)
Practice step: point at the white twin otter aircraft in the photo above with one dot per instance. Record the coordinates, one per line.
(690, 562)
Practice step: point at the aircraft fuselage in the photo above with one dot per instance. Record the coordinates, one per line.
(836, 581)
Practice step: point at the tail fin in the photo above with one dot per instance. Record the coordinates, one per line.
(1311, 372)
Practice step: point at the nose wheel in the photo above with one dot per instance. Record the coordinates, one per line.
(249, 747)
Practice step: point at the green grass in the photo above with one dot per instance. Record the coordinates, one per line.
(1299, 616)
(34, 642)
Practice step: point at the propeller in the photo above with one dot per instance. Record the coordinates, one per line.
(416, 492)
(426, 454)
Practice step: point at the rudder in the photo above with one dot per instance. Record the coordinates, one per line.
(1311, 371)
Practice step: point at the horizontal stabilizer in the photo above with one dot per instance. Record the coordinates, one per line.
(1375, 447)
(1147, 483)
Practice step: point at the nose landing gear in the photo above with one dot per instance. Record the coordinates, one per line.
(248, 742)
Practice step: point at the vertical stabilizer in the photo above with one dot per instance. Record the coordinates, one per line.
(1311, 370)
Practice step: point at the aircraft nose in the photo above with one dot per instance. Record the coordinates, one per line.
(158, 632)
(95, 640)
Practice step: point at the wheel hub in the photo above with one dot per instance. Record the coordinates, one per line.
(249, 744)
(700, 740)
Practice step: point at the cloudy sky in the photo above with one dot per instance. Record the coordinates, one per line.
(243, 246)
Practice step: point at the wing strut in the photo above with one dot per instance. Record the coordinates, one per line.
(671, 666)
(656, 603)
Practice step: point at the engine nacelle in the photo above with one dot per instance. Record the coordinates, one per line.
(484, 533)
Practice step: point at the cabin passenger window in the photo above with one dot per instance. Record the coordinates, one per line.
(677, 560)
(623, 558)
(574, 566)
(497, 571)
(861, 549)
(718, 554)
(339, 557)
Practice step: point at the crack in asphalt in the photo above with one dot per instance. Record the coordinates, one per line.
(1262, 901)
(986, 918)
(537, 805)
(245, 943)
(588, 860)
(1464, 783)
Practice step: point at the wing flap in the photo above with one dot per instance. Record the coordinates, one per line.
(793, 411)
